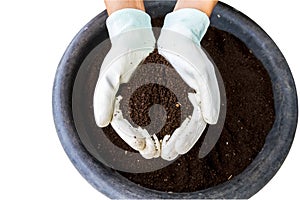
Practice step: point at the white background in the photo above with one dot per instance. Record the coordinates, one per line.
(34, 35)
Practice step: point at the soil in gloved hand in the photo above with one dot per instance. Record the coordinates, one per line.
(155, 98)
(249, 118)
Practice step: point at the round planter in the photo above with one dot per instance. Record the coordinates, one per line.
(246, 184)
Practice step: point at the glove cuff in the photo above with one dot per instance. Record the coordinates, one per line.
(127, 19)
(191, 23)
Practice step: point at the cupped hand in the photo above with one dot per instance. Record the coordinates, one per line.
(132, 41)
(179, 43)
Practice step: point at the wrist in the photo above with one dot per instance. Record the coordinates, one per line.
(115, 5)
(127, 19)
(188, 22)
(205, 6)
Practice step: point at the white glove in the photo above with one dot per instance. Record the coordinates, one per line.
(132, 41)
(179, 43)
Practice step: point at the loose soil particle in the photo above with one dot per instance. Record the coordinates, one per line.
(249, 118)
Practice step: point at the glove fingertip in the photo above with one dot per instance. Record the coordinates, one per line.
(102, 121)
(181, 148)
(211, 117)
(165, 139)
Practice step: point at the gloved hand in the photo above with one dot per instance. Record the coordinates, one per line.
(132, 41)
(179, 43)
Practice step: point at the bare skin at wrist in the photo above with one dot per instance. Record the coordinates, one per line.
(114, 5)
(205, 6)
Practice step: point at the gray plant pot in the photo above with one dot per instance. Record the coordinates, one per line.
(246, 184)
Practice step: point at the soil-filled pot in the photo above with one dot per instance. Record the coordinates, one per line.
(261, 166)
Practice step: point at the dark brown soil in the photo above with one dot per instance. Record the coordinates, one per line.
(165, 88)
(249, 118)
